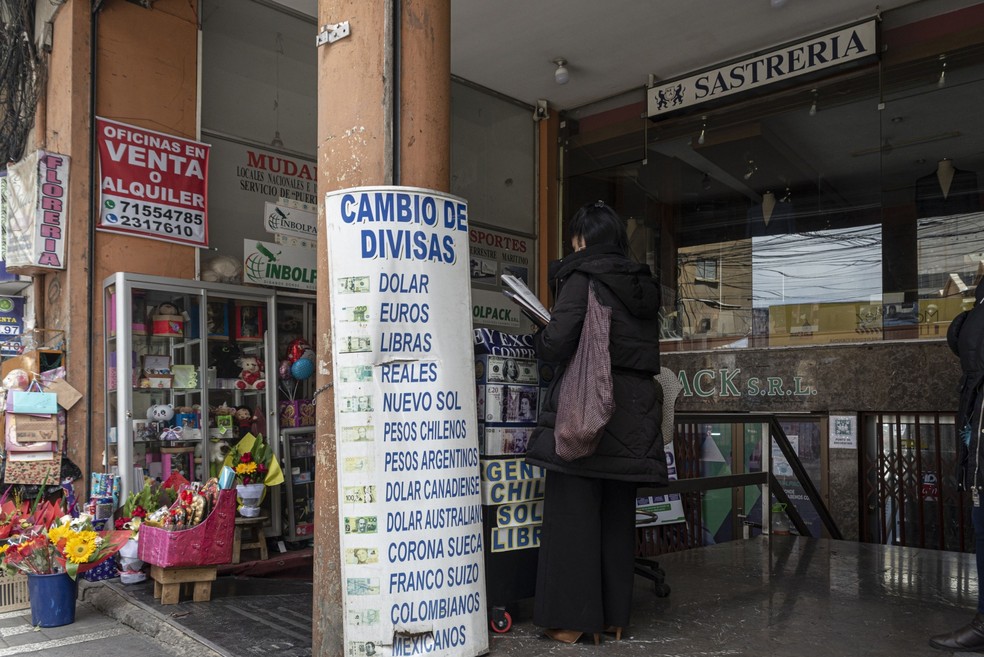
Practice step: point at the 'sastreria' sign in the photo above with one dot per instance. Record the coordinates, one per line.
(814, 54)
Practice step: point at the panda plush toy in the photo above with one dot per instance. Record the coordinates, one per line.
(163, 414)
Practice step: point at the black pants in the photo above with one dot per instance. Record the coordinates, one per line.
(585, 573)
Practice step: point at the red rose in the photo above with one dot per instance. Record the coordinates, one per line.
(121, 521)
(139, 512)
(261, 468)
(246, 458)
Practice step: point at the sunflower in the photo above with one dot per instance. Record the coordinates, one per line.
(80, 548)
(245, 468)
(59, 532)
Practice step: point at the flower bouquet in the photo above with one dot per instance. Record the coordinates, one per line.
(68, 545)
(51, 547)
(131, 516)
(136, 507)
(255, 467)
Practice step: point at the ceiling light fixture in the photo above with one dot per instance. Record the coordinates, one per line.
(561, 75)
(277, 141)
(751, 169)
(942, 81)
(813, 107)
(703, 130)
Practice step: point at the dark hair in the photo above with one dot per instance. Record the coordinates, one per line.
(597, 223)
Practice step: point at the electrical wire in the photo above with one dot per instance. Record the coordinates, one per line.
(22, 76)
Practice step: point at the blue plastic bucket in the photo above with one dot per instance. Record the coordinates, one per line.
(52, 599)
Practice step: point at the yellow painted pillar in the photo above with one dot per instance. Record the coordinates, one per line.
(357, 145)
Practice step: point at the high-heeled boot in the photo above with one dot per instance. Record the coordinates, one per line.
(569, 636)
(969, 638)
(616, 630)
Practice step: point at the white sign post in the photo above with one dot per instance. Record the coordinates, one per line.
(409, 487)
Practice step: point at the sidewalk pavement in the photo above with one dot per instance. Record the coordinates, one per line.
(781, 596)
(245, 616)
(94, 634)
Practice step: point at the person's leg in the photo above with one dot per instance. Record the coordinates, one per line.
(568, 577)
(977, 516)
(618, 540)
(970, 637)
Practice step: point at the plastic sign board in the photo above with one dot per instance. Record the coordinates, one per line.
(4, 218)
(37, 212)
(279, 265)
(151, 184)
(409, 484)
(282, 219)
(11, 325)
(491, 254)
(780, 64)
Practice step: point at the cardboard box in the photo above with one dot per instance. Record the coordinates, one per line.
(34, 361)
(290, 414)
(168, 326)
(296, 413)
(248, 323)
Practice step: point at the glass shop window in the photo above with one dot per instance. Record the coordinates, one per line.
(807, 216)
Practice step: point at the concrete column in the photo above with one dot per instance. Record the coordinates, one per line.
(61, 299)
(425, 95)
(356, 141)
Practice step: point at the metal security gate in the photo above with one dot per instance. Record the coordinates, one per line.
(652, 541)
(908, 482)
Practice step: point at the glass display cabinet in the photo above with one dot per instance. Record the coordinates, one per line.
(296, 320)
(190, 367)
(298, 500)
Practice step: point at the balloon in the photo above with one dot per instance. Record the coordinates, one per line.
(302, 369)
(299, 349)
(16, 379)
(284, 370)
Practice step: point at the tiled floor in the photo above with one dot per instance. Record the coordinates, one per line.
(779, 596)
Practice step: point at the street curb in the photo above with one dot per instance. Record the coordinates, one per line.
(107, 597)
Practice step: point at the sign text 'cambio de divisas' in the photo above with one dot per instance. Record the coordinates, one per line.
(409, 484)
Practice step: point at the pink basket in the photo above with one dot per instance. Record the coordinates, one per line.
(206, 544)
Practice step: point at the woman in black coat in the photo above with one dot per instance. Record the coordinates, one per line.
(966, 338)
(587, 545)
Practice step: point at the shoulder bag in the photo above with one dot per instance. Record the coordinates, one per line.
(586, 404)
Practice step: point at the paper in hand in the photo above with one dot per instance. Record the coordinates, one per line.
(516, 290)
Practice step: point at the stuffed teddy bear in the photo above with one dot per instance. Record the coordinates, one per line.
(251, 376)
(225, 359)
(243, 419)
(222, 269)
(166, 308)
(162, 413)
(217, 451)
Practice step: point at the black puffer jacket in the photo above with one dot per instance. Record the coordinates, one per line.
(631, 447)
(966, 338)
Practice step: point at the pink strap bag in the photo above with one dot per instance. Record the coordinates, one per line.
(586, 404)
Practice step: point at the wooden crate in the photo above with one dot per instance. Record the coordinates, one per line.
(13, 592)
